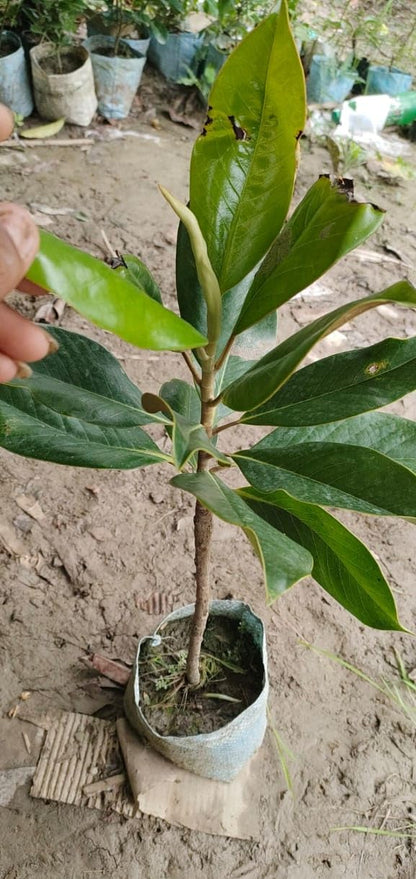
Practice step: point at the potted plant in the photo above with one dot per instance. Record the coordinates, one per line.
(117, 62)
(238, 260)
(338, 71)
(173, 49)
(61, 71)
(130, 20)
(390, 79)
(230, 23)
(15, 89)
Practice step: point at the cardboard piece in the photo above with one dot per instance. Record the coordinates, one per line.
(164, 790)
(80, 750)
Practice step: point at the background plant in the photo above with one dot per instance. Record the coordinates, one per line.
(123, 17)
(232, 21)
(53, 22)
(238, 261)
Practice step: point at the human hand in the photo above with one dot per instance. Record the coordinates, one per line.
(20, 340)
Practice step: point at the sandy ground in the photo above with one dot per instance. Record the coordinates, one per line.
(107, 540)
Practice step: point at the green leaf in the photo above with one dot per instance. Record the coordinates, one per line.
(324, 227)
(284, 562)
(342, 385)
(108, 300)
(191, 302)
(183, 398)
(343, 565)
(135, 271)
(188, 438)
(260, 337)
(193, 308)
(232, 369)
(332, 474)
(241, 186)
(78, 408)
(187, 434)
(273, 370)
(391, 435)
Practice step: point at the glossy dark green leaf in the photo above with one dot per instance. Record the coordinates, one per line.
(188, 438)
(183, 398)
(107, 299)
(256, 340)
(232, 369)
(343, 566)
(135, 271)
(273, 370)
(78, 408)
(342, 385)
(187, 434)
(284, 562)
(243, 165)
(324, 227)
(331, 474)
(391, 435)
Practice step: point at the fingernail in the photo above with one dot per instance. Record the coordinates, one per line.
(53, 345)
(20, 228)
(23, 370)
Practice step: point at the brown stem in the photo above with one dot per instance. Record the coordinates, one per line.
(191, 367)
(225, 353)
(226, 426)
(203, 524)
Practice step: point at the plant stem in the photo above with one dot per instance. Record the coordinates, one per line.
(203, 525)
(119, 10)
(191, 367)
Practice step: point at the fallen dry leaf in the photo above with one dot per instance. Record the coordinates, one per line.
(29, 504)
(110, 669)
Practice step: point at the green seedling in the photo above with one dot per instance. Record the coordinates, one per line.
(240, 259)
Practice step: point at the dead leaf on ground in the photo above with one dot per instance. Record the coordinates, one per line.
(31, 506)
(12, 544)
(110, 669)
(51, 312)
(183, 119)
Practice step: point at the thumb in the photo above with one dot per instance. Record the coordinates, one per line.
(19, 243)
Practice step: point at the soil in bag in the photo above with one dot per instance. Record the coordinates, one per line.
(231, 678)
(124, 51)
(56, 64)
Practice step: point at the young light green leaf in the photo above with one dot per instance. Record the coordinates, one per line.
(284, 562)
(343, 566)
(206, 276)
(342, 385)
(273, 370)
(324, 227)
(78, 408)
(108, 300)
(238, 182)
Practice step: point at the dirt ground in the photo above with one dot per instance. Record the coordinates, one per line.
(73, 580)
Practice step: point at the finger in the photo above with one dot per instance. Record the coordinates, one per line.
(19, 243)
(26, 286)
(22, 340)
(6, 122)
(9, 369)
